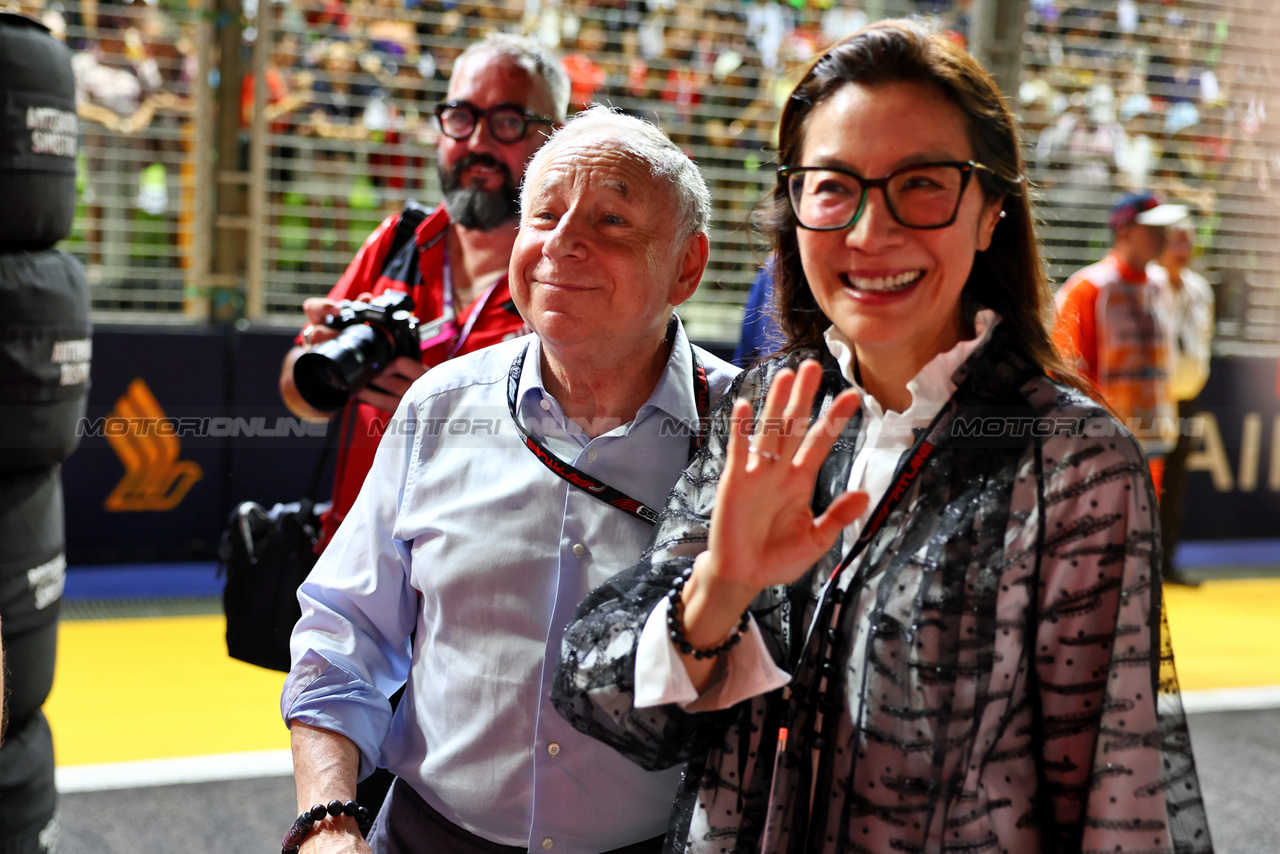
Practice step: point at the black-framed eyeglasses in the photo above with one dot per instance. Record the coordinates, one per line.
(507, 122)
(922, 195)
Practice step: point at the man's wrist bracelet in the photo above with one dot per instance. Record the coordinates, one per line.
(302, 825)
(675, 623)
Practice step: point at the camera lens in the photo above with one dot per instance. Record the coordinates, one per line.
(328, 374)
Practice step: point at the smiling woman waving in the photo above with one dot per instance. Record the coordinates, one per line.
(907, 597)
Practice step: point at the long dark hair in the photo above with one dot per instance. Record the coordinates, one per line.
(1009, 276)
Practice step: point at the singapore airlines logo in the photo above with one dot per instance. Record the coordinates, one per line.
(145, 441)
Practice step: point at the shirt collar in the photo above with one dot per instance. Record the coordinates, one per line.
(1133, 275)
(531, 371)
(933, 385)
(533, 401)
(673, 395)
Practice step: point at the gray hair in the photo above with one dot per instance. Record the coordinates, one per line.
(533, 57)
(646, 142)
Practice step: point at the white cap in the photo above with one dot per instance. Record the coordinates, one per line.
(1164, 214)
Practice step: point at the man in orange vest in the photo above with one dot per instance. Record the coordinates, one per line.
(1110, 325)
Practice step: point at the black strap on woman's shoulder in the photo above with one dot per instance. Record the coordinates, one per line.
(833, 479)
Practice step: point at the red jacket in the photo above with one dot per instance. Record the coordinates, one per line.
(362, 424)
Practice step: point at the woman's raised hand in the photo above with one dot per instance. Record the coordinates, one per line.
(763, 531)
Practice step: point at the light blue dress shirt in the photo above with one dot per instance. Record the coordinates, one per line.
(462, 537)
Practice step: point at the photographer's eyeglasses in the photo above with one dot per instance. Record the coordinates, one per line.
(507, 122)
(922, 195)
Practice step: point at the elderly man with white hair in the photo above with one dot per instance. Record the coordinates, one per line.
(510, 483)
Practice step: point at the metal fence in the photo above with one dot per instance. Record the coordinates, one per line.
(246, 195)
(1119, 96)
(356, 139)
(135, 70)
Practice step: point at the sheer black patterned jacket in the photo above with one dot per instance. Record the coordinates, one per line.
(992, 674)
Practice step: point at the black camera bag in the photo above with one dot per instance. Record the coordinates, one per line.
(267, 554)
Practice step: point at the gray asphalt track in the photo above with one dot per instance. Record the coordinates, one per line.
(1238, 754)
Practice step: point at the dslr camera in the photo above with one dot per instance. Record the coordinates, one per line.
(372, 334)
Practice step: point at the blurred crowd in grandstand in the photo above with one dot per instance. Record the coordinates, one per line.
(1115, 94)
(1125, 101)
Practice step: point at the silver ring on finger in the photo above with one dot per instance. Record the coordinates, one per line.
(768, 455)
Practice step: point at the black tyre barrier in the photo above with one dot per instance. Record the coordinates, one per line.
(32, 543)
(28, 797)
(32, 573)
(45, 351)
(29, 659)
(38, 135)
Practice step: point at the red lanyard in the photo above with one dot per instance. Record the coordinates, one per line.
(913, 462)
(588, 484)
(445, 327)
(835, 593)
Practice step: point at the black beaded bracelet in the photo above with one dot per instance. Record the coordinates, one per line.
(302, 826)
(675, 625)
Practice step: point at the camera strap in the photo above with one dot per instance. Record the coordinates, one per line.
(445, 327)
(591, 485)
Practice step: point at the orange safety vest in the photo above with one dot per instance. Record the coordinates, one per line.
(1110, 327)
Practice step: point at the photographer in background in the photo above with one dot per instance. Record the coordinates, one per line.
(506, 95)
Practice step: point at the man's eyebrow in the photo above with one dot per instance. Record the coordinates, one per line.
(617, 185)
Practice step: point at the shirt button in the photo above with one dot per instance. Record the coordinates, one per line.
(547, 843)
(578, 549)
(553, 748)
(591, 455)
(544, 403)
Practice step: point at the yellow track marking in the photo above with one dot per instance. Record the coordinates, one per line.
(158, 687)
(162, 687)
